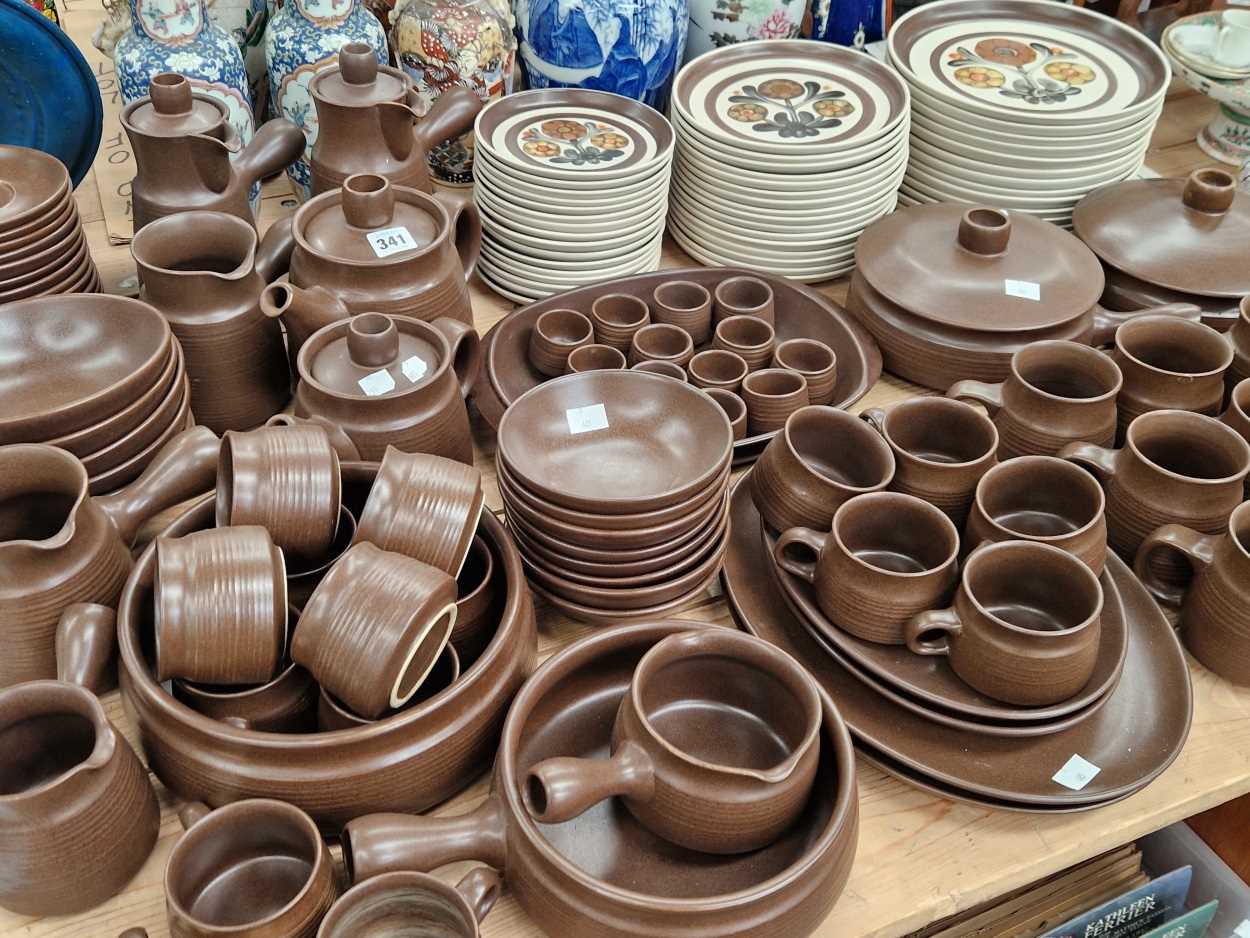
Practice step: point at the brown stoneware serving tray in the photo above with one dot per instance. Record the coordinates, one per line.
(1132, 739)
(602, 875)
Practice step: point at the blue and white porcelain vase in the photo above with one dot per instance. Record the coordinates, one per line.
(629, 47)
(304, 37)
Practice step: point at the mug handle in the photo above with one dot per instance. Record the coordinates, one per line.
(466, 350)
(875, 418)
(945, 621)
(802, 537)
(192, 813)
(480, 888)
(990, 396)
(1198, 549)
(1100, 461)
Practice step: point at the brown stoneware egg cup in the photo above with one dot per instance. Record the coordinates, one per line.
(616, 317)
(685, 304)
(744, 296)
(595, 358)
(557, 334)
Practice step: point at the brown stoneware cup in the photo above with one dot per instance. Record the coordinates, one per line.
(304, 573)
(1043, 499)
(716, 368)
(1057, 393)
(729, 791)
(395, 905)
(374, 628)
(684, 304)
(332, 714)
(887, 558)
(749, 336)
(667, 369)
(1215, 611)
(815, 361)
(555, 335)
(341, 442)
(595, 357)
(941, 449)
(661, 341)
(425, 507)
(616, 317)
(820, 459)
(743, 296)
(1239, 338)
(477, 594)
(221, 606)
(250, 868)
(1237, 415)
(734, 407)
(1025, 625)
(771, 396)
(285, 479)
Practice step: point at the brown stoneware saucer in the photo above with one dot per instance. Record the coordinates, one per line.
(600, 616)
(34, 185)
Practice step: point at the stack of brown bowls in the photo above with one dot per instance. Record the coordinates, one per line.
(42, 246)
(614, 486)
(100, 376)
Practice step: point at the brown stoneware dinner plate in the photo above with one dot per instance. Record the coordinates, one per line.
(600, 616)
(54, 226)
(112, 479)
(72, 264)
(1131, 740)
(150, 429)
(32, 184)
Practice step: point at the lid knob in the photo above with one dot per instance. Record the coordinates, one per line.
(985, 230)
(372, 340)
(368, 201)
(357, 63)
(1210, 190)
(170, 93)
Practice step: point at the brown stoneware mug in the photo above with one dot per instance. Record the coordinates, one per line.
(716, 368)
(815, 361)
(1237, 415)
(221, 606)
(1044, 499)
(555, 335)
(425, 507)
(595, 357)
(304, 573)
(1025, 625)
(477, 595)
(749, 336)
(684, 304)
(731, 790)
(616, 317)
(250, 868)
(285, 479)
(332, 714)
(820, 459)
(1239, 338)
(771, 396)
(887, 558)
(667, 369)
(662, 342)
(743, 296)
(1215, 611)
(734, 407)
(1057, 393)
(374, 628)
(395, 905)
(941, 449)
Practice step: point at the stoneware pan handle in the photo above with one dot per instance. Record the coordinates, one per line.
(388, 843)
(466, 223)
(1198, 549)
(806, 539)
(1107, 321)
(466, 350)
(480, 888)
(990, 396)
(558, 790)
(86, 647)
(945, 621)
(1099, 460)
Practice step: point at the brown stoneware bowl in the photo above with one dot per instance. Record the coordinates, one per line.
(815, 361)
(556, 334)
(616, 317)
(743, 296)
(749, 336)
(685, 304)
(667, 369)
(735, 409)
(595, 358)
(661, 342)
(477, 601)
(304, 573)
(287, 704)
(716, 368)
(413, 904)
(1237, 415)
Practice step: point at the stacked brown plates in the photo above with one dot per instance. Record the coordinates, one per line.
(42, 246)
(100, 376)
(614, 486)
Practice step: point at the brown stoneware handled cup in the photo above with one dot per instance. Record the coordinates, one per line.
(413, 904)
(820, 459)
(1025, 625)
(734, 407)
(771, 396)
(374, 628)
(250, 868)
(941, 450)
(1215, 612)
(749, 336)
(595, 357)
(684, 304)
(1237, 415)
(729, 791)
(555, 335)
(1057, 393)
(616, 317)
(888, 557)
(332, 714)
(815, 361)
(220, 600)
(341, 442)
(661, 342)
(743, 296)
(716, 368)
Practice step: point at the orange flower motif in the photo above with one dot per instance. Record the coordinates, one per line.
(1005, 51)
(541, 149)
(780, 89)
(833, 108)
(978, 76)
(563, 129)
(610, 140)
(1070, 72)
(748, 113)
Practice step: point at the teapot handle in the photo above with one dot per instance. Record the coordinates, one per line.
(466, 222)
(466, 351)
(452, 114)
(1107, 321)
(273, 256)
(274, 147)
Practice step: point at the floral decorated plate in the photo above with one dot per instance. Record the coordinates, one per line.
(983, 189)
(772, 250)
(790, 96)
(782, 229)
(571, 203)
(769, 211)
(813, 273)
(1030, 61)
(573, 264)
(590, 186)
(813, 191)
(967, 170)
(1022, 156)
(576, 226)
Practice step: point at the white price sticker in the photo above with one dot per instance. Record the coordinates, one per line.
(388, 241)
(1076, 773)
(1024, 289)
(380, 382)
(414, 368)
(585, 419)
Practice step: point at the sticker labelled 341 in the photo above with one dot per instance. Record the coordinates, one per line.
(388, 241)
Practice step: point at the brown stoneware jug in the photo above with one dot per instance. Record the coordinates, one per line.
(183, 144)
(202, 271)
(60, 546)
(368, 122)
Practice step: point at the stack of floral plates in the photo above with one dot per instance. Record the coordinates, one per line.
(572, 187)
(1024, 104)
(786, 151)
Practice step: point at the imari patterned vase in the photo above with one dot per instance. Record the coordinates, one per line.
(304, 37)
(716, 23)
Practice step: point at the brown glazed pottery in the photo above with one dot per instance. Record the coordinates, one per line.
(1215, 611)
(661, 342)
(716, 368)
(749, 336)
(685, 304)
(477, 601)
(1237, 415)
(941, 450)
(287, 704)
(304, 573)
(374, 628)
(333, 714)
(1043, 499)
(771, 396)
(556, 334)
(887, 558)
(667, 369)
(188, 157)
(413, 904)
(86, 647)
(595, 357)
(60, 546)
(734, 407)
(367, 122)
(1239, 338)
(392, 381)
(285, 479)
(1057, 392)
(743, 296)
(78, 816)
(1025, 625)
(616, 317)
(822, 458)
(256, 867)
(417, 759)
(604, 875)
(815, 361)
(341, 442)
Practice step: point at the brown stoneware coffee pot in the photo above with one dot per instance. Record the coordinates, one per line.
(183, 146)
(203, 272)
(368, 122)
(60, 546)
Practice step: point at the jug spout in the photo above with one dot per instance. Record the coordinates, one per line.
(303, 310)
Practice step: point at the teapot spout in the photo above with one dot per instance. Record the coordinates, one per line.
(303, 310)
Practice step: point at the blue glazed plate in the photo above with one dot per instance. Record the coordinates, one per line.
(49, 99)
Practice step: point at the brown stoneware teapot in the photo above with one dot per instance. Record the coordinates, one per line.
(183, 144)
(368, 123)
(202, 271)
(60, 546)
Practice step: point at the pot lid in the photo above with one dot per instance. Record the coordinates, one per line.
(1188, 235)
(359, 80)
(978, 268)
(173, 110)
(369, 221)
(372, 355)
